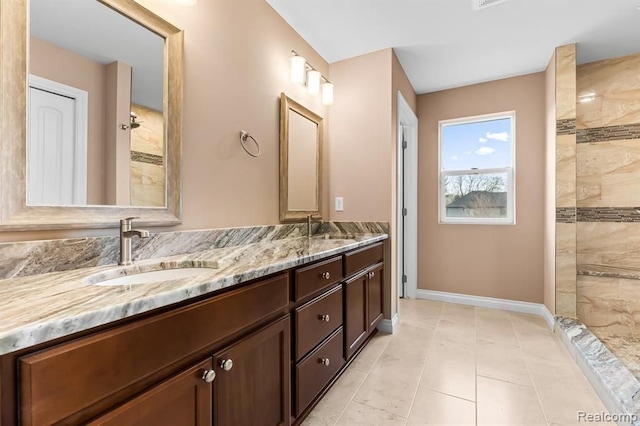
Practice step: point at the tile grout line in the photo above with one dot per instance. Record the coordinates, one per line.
(526, 364)
(360, 385)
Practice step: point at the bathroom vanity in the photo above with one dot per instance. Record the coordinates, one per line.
(261, 351)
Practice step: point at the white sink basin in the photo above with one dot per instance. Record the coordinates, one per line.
(154, 276)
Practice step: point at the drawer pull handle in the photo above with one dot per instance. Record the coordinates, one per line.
(226, 364)
(209, 376)
(371, 275)
(325, 318)
(325, 275)
(324, 361)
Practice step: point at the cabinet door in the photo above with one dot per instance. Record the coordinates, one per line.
(374, 296)
(253, 376)
(355, 315)
(184, 399)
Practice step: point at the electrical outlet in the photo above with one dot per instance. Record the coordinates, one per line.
(339, 204)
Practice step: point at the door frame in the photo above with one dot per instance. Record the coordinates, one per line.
(81, 98)
(407, 122)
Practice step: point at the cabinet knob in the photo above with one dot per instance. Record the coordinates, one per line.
(324, 361)
(371, 275)
(325, 318)
(209, 376)
(325, 275)
(226, 364)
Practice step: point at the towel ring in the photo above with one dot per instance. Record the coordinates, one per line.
(243, 138)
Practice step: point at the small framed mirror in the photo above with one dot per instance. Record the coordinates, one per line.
(301, 133)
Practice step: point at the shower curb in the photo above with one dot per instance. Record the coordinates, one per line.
(618, 389)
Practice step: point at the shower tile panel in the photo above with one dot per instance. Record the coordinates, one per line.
(565, 215)
(608, 214)
(566, 171)
(565, 269)
(147, 184)
(143, 157)
(609, 133)
(615, 84)
(606, 244)
(566, 126)
(566, 82)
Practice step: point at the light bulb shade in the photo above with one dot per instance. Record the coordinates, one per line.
(298, 65)
(313, 82)
(186, 2)
(327, 93)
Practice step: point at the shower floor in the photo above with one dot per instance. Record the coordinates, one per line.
(627, 349)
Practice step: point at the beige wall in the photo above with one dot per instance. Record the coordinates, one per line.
(54, 63)
(550, 188)
(494, 261)
(236, 64)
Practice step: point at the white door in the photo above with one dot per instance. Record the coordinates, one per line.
(56, 152)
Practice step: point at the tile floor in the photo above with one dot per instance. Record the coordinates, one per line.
(458, 365)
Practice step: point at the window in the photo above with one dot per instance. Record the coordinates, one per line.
(477, 156)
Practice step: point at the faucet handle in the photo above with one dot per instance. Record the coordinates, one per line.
(128, 220)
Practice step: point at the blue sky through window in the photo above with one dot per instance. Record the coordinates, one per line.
(482, 145)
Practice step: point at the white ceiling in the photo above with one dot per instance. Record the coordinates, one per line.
(93, 30)
(443, 44)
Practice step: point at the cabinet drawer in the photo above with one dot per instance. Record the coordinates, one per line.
(317, 319)
(317, 277)
(358, 260)
(312, 375)
(58, 382)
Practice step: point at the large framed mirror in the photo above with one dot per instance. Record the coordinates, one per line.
(301, 133)
(91, 116)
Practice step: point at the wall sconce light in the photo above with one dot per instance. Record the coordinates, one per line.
(303, 73)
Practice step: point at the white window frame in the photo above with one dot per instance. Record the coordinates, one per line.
(510, 218)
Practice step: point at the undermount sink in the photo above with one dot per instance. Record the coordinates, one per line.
(153, 276)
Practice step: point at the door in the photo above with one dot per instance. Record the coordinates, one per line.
(185, 399)
(56, 145)
(253, 376)
(355, 315)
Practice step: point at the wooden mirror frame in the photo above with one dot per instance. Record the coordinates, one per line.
(15, 214)
(286, 215)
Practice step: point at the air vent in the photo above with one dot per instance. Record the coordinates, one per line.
(481, 4)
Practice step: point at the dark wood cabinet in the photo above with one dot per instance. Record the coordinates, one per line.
(184, 399)
(363, 303)
(252, 385)
(272, 349)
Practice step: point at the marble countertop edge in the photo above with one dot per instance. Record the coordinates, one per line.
(69, 305)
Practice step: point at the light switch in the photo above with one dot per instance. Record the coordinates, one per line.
(339, 204)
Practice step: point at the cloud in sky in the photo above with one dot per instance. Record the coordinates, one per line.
(454, 157)
(483, 140)
(485, 150)
(502, 136)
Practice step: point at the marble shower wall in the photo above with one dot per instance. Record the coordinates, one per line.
(608, 194)
(566, 180)
(39, 257)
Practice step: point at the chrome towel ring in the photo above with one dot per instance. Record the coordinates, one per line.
(243, 138)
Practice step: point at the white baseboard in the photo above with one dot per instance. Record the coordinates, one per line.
(389, 326)
(489, 302)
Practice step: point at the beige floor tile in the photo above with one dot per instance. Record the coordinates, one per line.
(451, 368)
(390, 386)
(434, 408)
(456, 330)
(367, 358)
(496, 330)
(503, 403)
(336, 400)
(458, 313)
(502, 361)
(363, 414)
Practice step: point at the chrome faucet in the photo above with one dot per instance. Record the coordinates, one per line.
(310, 219)
(126, 233)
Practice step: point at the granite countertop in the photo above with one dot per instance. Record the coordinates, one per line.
(609, 271)
(39, 308)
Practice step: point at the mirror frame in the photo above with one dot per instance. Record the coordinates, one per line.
(286, 215)
(15, 214)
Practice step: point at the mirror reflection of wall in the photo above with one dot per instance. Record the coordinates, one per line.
(303, 169)
(87, 47)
